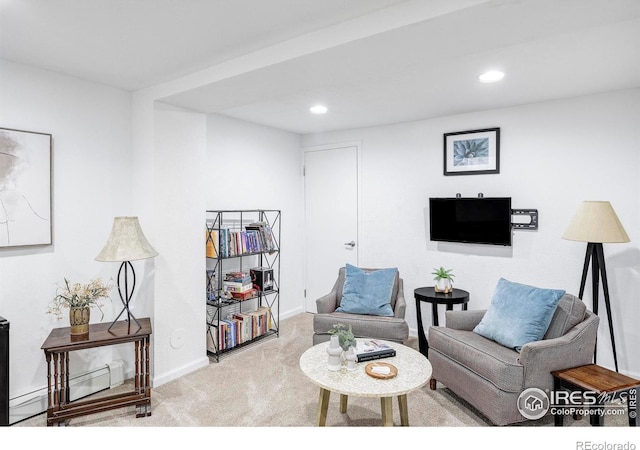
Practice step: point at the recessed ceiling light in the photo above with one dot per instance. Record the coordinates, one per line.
(318, 109)
(491, 76)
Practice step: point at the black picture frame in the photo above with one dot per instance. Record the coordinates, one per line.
(472, 152)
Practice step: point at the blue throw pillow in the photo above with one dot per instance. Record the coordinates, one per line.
(367, 292)
(518, 314)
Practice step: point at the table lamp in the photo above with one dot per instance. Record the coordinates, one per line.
(597, 223)
(125, 244)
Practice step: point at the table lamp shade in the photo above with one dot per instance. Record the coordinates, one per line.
(126, 242)
(596, 222)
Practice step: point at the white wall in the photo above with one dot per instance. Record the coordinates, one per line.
(554, 155)
(178, 204)
(91, 183)
(250, 166)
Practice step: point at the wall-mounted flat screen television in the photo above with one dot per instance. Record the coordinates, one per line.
(481, 220)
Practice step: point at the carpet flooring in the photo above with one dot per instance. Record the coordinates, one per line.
(262, 386)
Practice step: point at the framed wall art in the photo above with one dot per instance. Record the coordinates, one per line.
(25, 188)
(472, 152)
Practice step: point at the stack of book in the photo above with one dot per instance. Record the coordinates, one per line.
(368, 350)
(239, 284)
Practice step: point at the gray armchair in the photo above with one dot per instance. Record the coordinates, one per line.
(491, 377)
(376, 327)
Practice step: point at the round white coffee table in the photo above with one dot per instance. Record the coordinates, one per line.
(414, 371)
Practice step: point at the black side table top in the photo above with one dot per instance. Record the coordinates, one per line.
(428, 294)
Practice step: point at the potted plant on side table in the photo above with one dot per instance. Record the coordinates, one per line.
(444, 280)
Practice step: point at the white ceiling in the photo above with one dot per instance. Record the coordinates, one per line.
(371, 62)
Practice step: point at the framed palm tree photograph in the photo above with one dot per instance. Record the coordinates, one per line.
(472, 152)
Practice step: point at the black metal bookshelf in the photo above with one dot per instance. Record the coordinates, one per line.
(242, 241)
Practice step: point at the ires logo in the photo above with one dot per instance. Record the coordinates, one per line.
(586, 398)
(533, 403)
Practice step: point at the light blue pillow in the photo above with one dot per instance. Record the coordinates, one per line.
(518, 314)
(367, 292)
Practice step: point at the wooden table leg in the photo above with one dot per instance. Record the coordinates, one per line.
(343, 403)
(142, 380)
(49, 389)
(404, 410)
(387, 411)
(147, 376)
(56, 382)
(323, 406)
(65, 388)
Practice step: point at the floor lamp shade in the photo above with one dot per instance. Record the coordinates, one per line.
(596, 222)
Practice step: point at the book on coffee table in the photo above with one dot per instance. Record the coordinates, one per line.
(370, 349)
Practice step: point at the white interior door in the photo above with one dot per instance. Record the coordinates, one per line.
(331, 217)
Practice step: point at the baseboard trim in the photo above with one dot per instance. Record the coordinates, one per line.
(87, 383)
(181, 371)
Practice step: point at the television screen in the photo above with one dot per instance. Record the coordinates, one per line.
(471, 220)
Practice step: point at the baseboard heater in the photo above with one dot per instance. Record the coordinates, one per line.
(34, 403)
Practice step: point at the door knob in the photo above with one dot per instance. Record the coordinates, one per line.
(350, 244)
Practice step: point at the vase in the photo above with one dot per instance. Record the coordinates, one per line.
(79, 319)
(335, 354)
(350, 357)
(443, 285)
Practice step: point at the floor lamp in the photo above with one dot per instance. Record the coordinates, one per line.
(597, 223)
(126, 243)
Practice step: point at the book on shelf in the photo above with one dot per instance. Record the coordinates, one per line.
(261, 321)
(371, 349)
(231, 286)
(263, 236)
(238, 277)
(229, 332)
(237, 282)
(212, 340)
(244, 295)
(211, 238)
(257, 237)
(239, 328)
(212, 285)
(245, 326)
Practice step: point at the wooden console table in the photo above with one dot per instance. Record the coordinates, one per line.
(56, 350)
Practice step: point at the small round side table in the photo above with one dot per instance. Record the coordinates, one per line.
(429, 295)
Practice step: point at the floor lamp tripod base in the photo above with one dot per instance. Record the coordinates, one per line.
(126, 294)
(595, 255)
